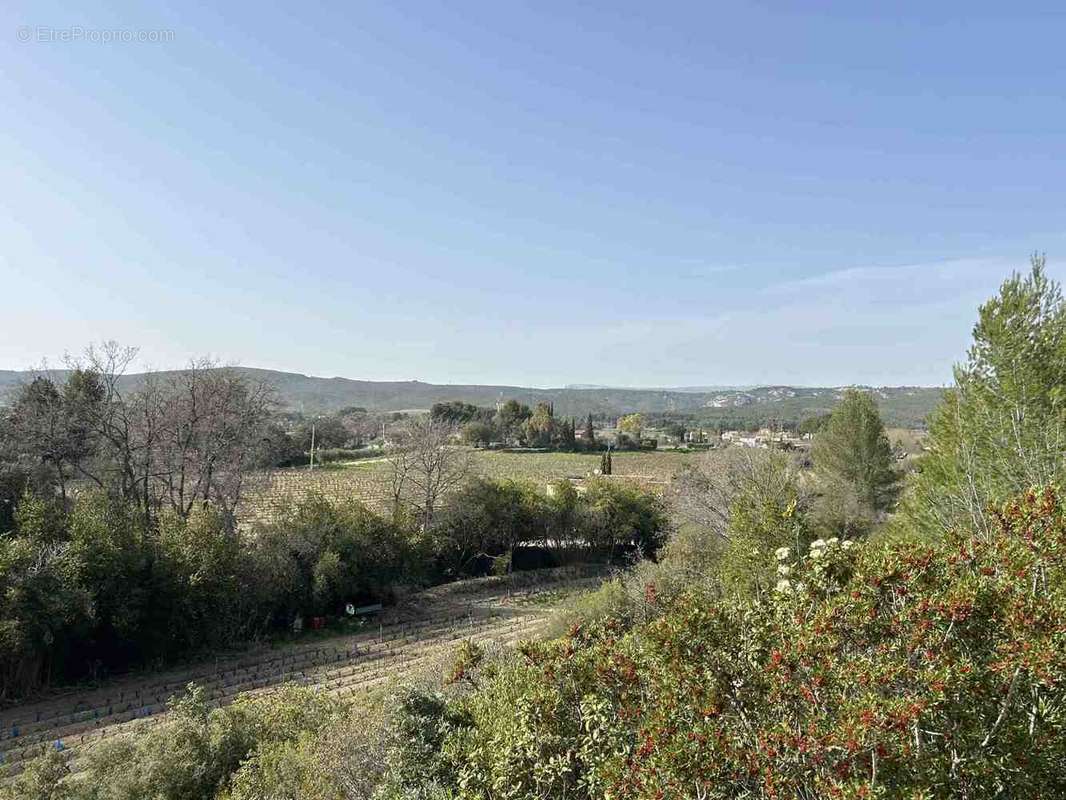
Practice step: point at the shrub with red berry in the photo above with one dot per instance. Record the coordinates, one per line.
(911, 670)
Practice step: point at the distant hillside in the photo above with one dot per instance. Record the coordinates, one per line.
(905, 406)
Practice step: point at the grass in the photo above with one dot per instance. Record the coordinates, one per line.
(653, 467)
(368, 480)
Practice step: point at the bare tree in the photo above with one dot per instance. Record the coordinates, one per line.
(425, 464)
(173, 440)
(212, 423)
(704, 493)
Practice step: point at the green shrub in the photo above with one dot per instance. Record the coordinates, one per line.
(903, 670)
(198, 753)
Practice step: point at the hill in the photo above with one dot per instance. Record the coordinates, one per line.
(903, 406)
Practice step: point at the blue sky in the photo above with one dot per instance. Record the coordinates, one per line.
(536, 194)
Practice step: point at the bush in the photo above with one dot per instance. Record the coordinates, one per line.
(322, 554)
(232, 752)
(905, 670)
(624, 515)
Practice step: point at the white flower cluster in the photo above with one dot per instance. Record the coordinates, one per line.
(819, 546)
(816, 553)
(783, 585)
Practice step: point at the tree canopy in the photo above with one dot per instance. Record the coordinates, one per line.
(1002, 427)
(853, 451)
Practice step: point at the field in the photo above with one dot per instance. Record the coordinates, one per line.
(349, 664)
(368, 480)
(910, 440)
(654, 468)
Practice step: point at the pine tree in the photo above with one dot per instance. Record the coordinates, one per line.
(854, 452)
(1002, 427)
(590, 432)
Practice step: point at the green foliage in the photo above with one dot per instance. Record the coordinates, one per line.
(418, 767)
(279, 448)
(910, 670)
(611, 600)
(486, 519)
(767, 511)
(330, 433)
(853, 452)
(42, 606)
(633, 424)
(458, 412)
(542, 427)
(45, 778)
(623, 514)
(233, 753)
(511, 418)
(96, 587)
(42, 520)
(1003, 426)
(479, 433)
(322, 554)
(634, 596)
(813, 424)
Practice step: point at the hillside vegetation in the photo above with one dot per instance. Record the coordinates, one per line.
(822, 627)
(905, 406)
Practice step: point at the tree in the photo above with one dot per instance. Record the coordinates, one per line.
(170, 440)
(203, 431)
(483, 519)
(41, 602)
(624, 515)
(569, 435)
(47, 431)
(511, 417)
(330, 432)
(674, 429)
(706, 490)
(478, 433)
(1002, 427)
(853, 451)
(814, 424)
(278, 448)
(457, 412)
(749, 502)
(424, 465)
(541, 427)
(590, 432)
(633, 424)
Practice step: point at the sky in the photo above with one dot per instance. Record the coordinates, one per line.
(637, 194)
